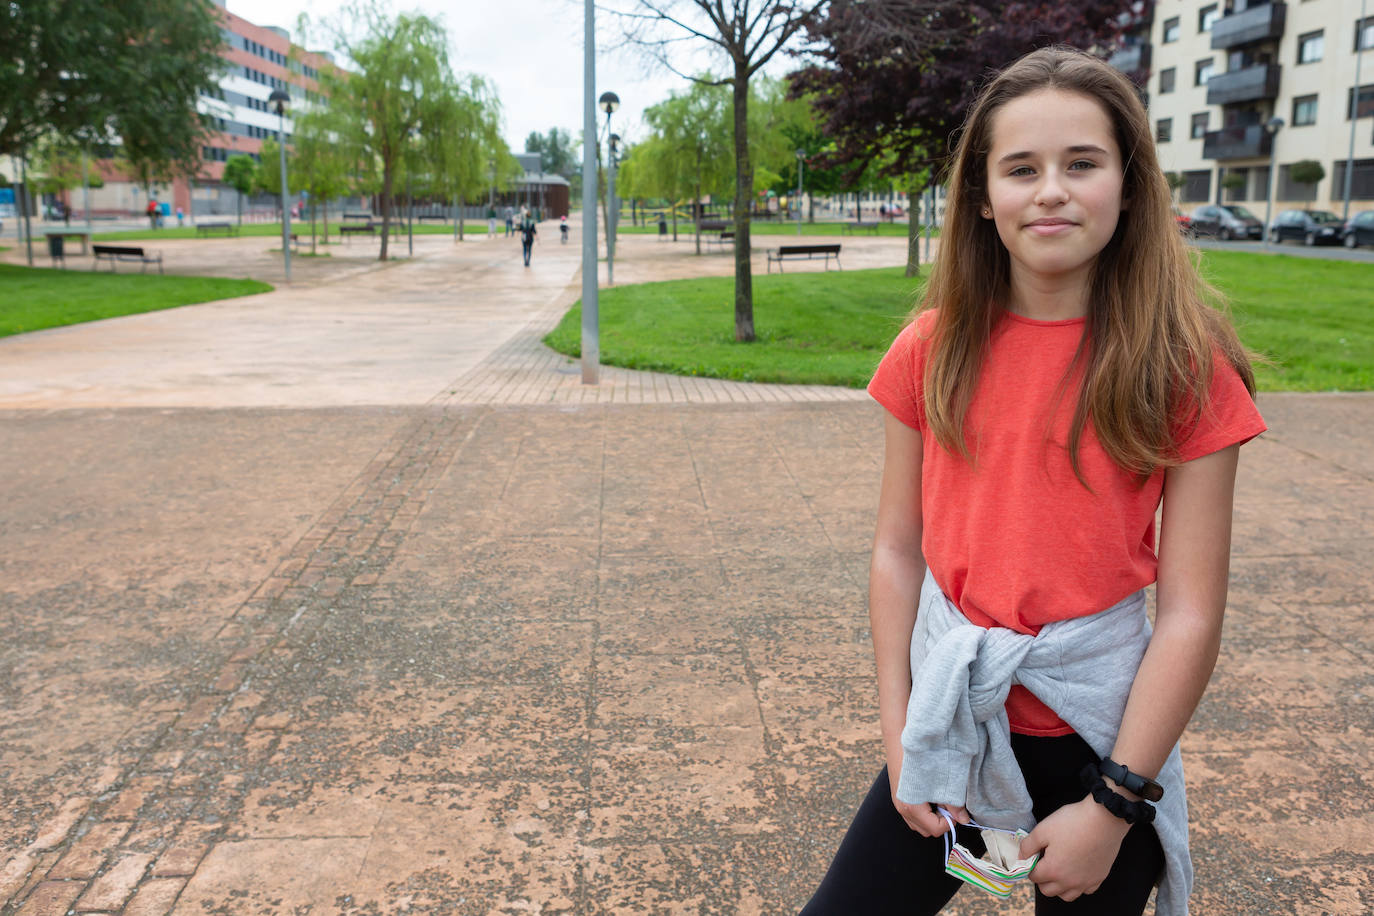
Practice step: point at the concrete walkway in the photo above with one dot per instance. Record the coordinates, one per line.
(355, 628)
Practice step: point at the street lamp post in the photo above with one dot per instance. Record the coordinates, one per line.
(613, 215)
(609, 102)
(1354, 116)
(280, 97)
(1273, 127)
(800, 154)
(410, 197)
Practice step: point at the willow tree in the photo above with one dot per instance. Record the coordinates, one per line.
(461, 146)
(400, 72)
(689, 150)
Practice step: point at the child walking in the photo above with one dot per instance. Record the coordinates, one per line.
(1063, 375)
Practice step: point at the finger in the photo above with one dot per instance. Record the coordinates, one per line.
(1033, 843)
(959, 813)
(1070, 896)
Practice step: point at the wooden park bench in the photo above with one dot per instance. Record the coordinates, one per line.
(346, 231)
(804, 253)
(134, 253)
(725, 236)
(849, 228)
(713, 225)
(366, 217)
(223, 226)
(424, 216)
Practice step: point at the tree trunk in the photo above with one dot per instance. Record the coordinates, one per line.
(913, 238)
(312, 229)
(811, 208)
(696, 207)
(386, 208)
(324, 202)
(744, 199)
(674, 222)
(458, 217)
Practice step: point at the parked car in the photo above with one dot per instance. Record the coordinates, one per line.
(1311, 227)
(1185, 224)
(1359, 230)
(1227, 221)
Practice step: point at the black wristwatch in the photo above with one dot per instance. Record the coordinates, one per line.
(1147, 789)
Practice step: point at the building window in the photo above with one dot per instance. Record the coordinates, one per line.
(1304, 110)
(1199, 126)
(1166, 81)
(1164, 130)
(1310, 47)
(1366, 103)
(1237, 193)
(1291, 190)
(1170, 30)
(1364, 33)
(1361, 185)
(1202, 72)
(1206, 17)
(1197, 186)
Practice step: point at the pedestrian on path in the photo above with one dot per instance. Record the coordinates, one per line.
(510, 221)
(491, 222)
(1019, 685)
(529, 231)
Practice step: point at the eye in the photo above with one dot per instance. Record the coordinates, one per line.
(1021, 170)
(1085, 163)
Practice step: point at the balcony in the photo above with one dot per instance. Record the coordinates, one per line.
(1237, 143)
(1248, 85)
(1131, 59)
(1258, 23)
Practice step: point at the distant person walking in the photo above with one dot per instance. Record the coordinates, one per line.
(491, 222)
(152, 213)
(510, 221)
(528, 232)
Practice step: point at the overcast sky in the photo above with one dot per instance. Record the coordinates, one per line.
(530, 49)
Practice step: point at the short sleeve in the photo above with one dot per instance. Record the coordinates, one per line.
(1231, 417)
(897, 383)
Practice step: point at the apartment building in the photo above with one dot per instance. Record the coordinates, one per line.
(258, 59)
(1221, 72)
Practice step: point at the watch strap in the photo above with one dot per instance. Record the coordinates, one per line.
(1147, 789)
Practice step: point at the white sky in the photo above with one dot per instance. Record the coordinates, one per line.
(530, 49)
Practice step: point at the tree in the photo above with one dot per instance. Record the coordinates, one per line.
(319, 162)
(555, 149)
(402, 72)
(895, 78)
(94, 71)
(748, 33)
(241, 174)
(461, 136)
(688, 150)
(1175, 181)
(1306, 172)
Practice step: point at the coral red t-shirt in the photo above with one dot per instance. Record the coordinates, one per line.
(1015, 540)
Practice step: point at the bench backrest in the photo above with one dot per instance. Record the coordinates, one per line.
(808, 249)
(117, 249)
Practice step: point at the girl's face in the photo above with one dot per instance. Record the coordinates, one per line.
(1054, 185)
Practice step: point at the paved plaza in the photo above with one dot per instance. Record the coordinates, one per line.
(350, 598)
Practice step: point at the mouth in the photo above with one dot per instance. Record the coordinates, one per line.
(1050, 226)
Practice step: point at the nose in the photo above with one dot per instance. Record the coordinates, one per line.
(1052, 191)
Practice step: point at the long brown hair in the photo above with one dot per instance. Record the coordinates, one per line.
(1151, 325)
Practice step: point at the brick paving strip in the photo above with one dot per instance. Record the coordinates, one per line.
(589, 658)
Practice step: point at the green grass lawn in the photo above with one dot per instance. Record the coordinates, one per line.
(274, 229)
(1311, 318)
(33, 298)
(763, 228)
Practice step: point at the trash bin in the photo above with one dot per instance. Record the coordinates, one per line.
(662, 224)
(55, 248)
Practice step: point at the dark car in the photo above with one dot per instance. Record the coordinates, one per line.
(1226, 221)
(1184, 223)
(1359, 231)
(1311, 227)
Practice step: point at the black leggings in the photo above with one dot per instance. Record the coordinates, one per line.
(883, 866)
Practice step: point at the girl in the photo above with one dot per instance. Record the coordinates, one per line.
(1062, 376)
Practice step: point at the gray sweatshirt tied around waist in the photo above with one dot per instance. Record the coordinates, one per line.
(957, 741)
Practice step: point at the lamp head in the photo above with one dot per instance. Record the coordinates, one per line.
(801, 153)
(609, 102)
(1274, 125)
(279, 97)
(615, 142)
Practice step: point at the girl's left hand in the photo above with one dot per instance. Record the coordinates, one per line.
(1079, 844)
